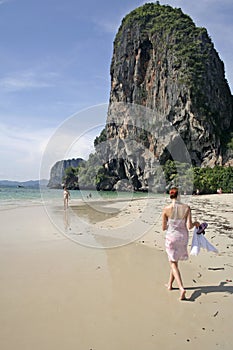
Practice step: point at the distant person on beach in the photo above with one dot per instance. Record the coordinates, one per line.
(66, 196)
(177, 220)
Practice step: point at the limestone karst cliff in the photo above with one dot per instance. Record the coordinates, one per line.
(168, 67)
(57, 171)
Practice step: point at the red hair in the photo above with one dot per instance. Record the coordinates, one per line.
(173, 192)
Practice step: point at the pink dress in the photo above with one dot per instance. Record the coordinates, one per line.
(177, 234)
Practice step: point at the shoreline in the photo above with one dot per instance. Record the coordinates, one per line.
(70, 295)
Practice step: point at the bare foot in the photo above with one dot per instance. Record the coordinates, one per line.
(182, 294)
(169, 287)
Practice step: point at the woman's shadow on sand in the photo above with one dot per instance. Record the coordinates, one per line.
(198, 291)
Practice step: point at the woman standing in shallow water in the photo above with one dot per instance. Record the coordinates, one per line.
(66, 196)
(177, 220)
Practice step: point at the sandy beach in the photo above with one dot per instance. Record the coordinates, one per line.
(99, 283)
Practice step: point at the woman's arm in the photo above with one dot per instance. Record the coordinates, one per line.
(191, 224)
(164, 220)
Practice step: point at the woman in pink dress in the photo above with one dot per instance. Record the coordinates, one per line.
(177, 220)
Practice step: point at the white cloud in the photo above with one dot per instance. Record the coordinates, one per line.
(82, 146)
(21, 150)
(27, 153)
(27, 80)
(74, 137)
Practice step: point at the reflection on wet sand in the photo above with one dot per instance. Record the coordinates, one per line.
(95, 214)
(111, 223)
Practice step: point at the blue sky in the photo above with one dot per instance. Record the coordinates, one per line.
(55, 61)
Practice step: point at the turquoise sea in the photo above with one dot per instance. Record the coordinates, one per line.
(84, 224)
(11, 197)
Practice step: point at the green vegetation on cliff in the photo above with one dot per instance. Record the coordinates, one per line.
(70, 179)
(207, 180)
(188, 45)
(101, 138)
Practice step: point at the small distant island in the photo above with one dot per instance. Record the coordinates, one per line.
(64, 172)
(24, 184)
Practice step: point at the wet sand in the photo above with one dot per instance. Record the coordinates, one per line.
(58, 292)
